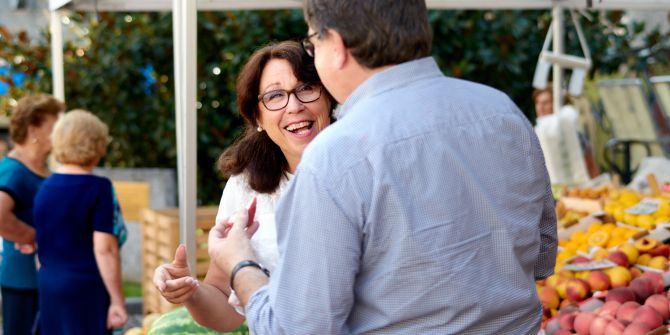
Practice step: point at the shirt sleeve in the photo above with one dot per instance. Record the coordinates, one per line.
(548, 238)
(312, 292)
(103, 211)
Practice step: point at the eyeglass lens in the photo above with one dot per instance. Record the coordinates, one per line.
(278, 99)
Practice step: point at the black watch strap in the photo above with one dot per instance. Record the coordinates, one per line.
(244, 264)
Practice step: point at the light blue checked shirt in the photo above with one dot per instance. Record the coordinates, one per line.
(426, 209)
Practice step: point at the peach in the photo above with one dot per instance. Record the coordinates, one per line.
(590, 305)
(620, 294)
(657, 279)
(660, 250)
(646, 243)
(583, 322)
(614, 328)
(619, 258)
(563, 332)
(619, 276)
(630, 251)
(609, 309)
(637, 328)
(598, 281)
(598, 326)
(553, 280)
(552, 326)
(567, 321)
(564, 304)
(648, 315)
(658, 262)
(549, 297)
(659, 302)
(644, 259)
(635, 272)
(578, 290)
(626, 312)
(561, 288)
(643, 288)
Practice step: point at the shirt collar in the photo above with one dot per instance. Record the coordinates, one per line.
(396, 76)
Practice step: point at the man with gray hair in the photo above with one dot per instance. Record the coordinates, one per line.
(425, 209)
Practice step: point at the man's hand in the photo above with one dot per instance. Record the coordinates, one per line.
(229, 241)
(174, 280)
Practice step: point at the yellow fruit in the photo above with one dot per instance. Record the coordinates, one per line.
(662, 219)
(583, 248)
(643, 259)
(598, 239)
(658, 262)
(644, 221)
(601, 254)
(663, 208)
(562, 243)
(594, 227)
(631, 252)
(577, 236)
(630, 219)
(608, 227)
(619, 214)
(615, 242)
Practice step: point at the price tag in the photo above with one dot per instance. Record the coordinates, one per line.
(646, 206)
(594, 265)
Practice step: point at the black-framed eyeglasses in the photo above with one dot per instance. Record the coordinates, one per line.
(307, 44)
(277, 99)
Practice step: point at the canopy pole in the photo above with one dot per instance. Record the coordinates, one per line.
(57, 73)
(557, 45)
(184, 24)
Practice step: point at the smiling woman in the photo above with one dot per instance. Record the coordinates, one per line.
(284, 106)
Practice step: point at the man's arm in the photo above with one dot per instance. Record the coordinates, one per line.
(11, 228)
(312, 291)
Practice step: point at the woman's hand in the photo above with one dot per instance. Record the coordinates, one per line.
(174, 280)
(116, 316)
(25, 248)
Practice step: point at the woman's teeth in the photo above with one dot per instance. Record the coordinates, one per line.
(297, 126)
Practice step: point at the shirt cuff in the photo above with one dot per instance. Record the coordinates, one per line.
(258, 301)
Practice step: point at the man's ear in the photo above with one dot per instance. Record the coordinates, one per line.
(340, 53)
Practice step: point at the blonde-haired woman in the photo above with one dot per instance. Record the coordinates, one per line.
(80, 277)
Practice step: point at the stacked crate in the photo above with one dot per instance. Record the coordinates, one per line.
(160, 238)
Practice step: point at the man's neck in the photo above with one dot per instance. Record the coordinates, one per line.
(357, 76)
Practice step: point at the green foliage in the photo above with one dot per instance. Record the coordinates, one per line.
(120, 66)
(19, 55)
(180, 322)
(132, 289)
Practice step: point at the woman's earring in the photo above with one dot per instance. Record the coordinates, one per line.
(259, 129)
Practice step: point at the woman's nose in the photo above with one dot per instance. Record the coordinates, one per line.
(294, 105)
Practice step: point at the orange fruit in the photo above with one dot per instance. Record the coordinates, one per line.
(598, 239)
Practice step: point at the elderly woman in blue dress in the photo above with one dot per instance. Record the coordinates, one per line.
(80, 275)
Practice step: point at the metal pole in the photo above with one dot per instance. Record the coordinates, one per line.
(184, 20)
(558, 31)
(58, 76)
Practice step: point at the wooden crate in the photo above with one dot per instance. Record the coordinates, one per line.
(160, 238)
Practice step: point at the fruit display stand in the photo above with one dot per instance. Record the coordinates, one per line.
(160, 238)
(612, 273)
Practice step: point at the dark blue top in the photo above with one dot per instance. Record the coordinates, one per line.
(16, 269)
(68, 209)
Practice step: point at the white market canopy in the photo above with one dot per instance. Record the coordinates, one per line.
(185, 46)
(166, 5)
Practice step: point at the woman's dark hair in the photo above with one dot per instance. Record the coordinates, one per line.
(255, 153)
(32, 110)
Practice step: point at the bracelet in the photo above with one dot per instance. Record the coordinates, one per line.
(244, 264)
